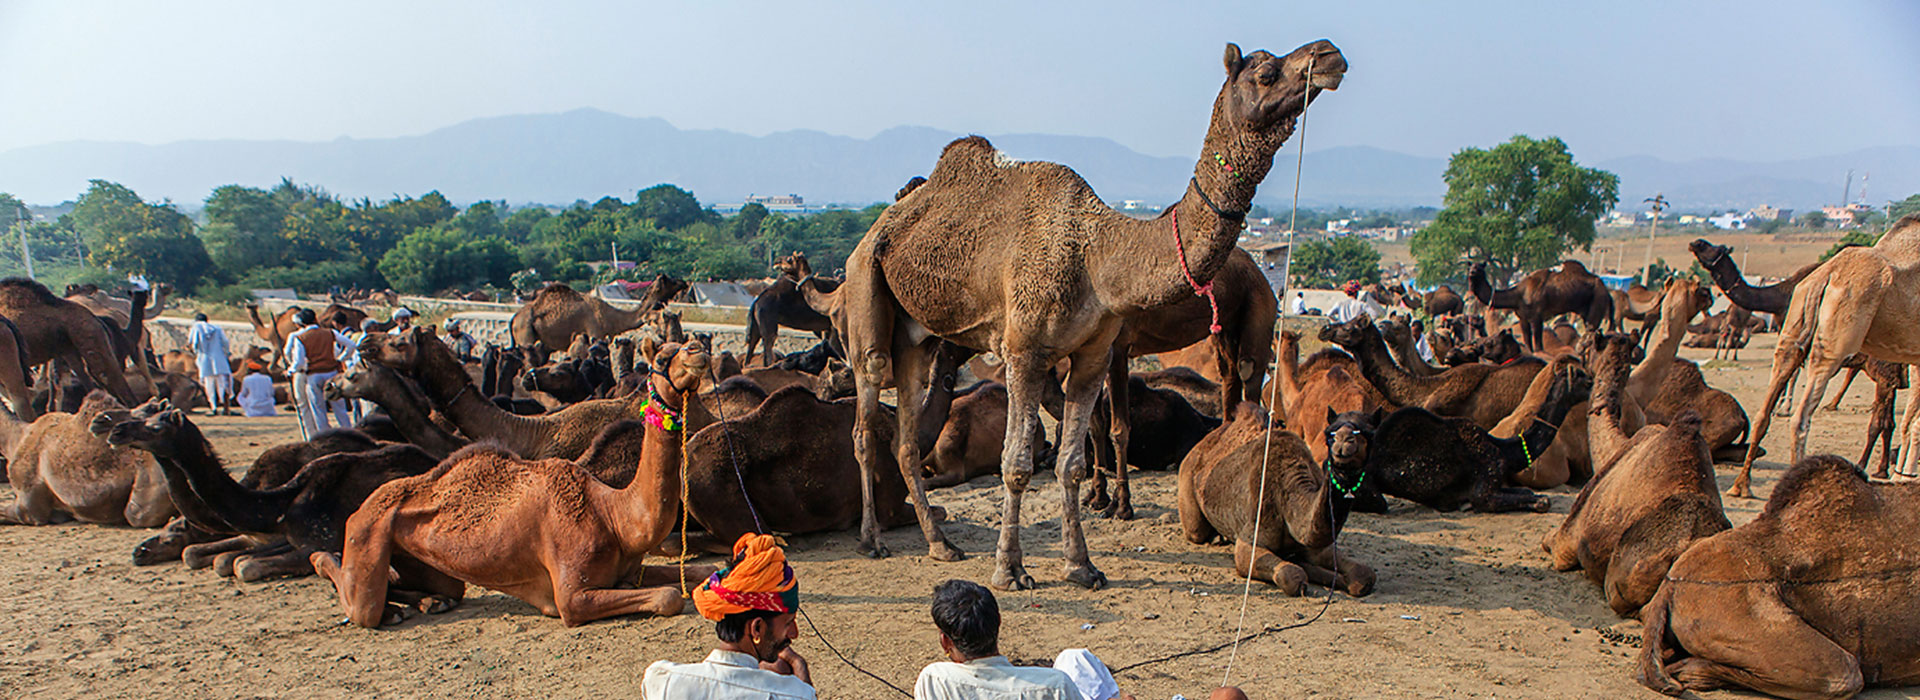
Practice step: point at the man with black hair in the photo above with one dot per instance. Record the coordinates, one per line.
(752, 603)
(969, 622)
(314, 355)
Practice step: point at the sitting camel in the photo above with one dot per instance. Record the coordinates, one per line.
(1444, 463)
(60, 472)
(1860, 300)
(1201, 393)
(782, 304)
(308, 510)
(402, 400)
(1328, 383)
(1812, 599)
(969, 444)
(1496, 349)
(1222, 492)
(546, 532)
(1544, 294)
(1484, 393)
(558, 313)
(1665, 386)
(1652, 495)
(1406, 352)
(1570, 458)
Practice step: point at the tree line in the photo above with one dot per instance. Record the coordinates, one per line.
(300, 236)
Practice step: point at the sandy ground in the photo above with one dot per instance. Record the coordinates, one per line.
(1466, 607)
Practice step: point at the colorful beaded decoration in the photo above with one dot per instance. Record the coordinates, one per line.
(1221, 160)
(658, 414)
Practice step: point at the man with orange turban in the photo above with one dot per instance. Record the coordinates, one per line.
(752, 603)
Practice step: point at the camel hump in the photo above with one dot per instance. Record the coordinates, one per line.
(1689, 420)
(1573, 266)
(1831, 474)
(487, 447)
(21, 290)
(974, 148)
(908, 188)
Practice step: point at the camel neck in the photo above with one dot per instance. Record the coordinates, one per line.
(648, 507)
(1400, 387)
(200, 485)
(1644, 381)
(1605, 409)
(1287, 369)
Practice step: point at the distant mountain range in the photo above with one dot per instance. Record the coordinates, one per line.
(587, 154)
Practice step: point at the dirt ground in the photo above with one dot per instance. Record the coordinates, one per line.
(1466, 607)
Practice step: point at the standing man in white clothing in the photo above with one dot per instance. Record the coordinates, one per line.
(209, 345)
(315, 355)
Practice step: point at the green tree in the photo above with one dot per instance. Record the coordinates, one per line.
(128, 235)
(438, 258)
(1331, 263)
(670, 207)
(746, 224)
(1517, 206)
(1903, 208)
(244, 229)
(1853, 238)
(1814, 219)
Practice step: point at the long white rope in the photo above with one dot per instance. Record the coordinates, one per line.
(1266, 452)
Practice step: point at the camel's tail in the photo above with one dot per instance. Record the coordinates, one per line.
(1653, 666)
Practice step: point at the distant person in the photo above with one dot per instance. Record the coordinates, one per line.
(209, 345)
(1349, 308)
(315, 355)
(1420, 343)
(752, 603)
(462, 343)
(969, 622)
(402, 322)
(256, 395)
(1299, 304)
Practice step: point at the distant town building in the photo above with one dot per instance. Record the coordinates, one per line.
(1729, 220)
(785, 201)
(1692, 220)
(1768, 212)
(1839, 216)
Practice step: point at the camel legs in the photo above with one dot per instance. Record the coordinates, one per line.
(1879, 427)
(1787, 359)
(1113, 455)
(911, 365)
(578, 606)
(201, 555)
(1909, 442)
(1845, 384)
(1085, 375)
(1793, 661)
(359, 575)
(1264, 565)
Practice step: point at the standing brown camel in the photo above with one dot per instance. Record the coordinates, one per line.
(558, 313)
(54, 328)
(1812, 599)
(782, 304)
(125, 317)
(1544, 294)
(1652, 492)
(1024, 260)
(547, 532)
(1861, 300)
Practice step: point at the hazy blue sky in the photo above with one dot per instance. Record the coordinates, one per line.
(1753, 79)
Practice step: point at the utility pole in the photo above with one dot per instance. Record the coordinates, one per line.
(1846, 194)
(20, 227)
(1659, 202)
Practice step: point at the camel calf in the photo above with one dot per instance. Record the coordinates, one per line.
(1812, 599)
(62, 472)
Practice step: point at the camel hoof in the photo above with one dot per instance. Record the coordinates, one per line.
(1290, 579)
(436, 604)
(1880, 474)
(1122, 511)
(1087, 577)
(1097, 500)
(1739, 491)
(395, 614)
(937, 514)
(944, 551)
(1015, 579)
(1542, 505)
(874, 550)
(668, 602)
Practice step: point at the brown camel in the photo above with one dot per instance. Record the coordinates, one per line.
(558, 313)
(1545, 294)
(1636, 303)
(1861, 300)
(1201, 393)
(1329, 381)
(60, 471)
(1497, 349)
(1651, 496)
(1442, 301)
(16, 383)
(1400, 342)
(1773, 299)
(54, 328)
(1665, 386)
(1222, 492)
(126, 319)
(782, 304)
(308, 511)
(1570, 458)
(1484, 393)
(341, 317)
(1888, 379)
(1024, 260)
(970, 443)
(547, 532)
(402, 400)
(1812, 599)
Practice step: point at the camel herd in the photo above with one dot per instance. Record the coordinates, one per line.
(994, 290)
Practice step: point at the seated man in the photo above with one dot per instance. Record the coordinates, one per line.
(969, 622)
(752, 603)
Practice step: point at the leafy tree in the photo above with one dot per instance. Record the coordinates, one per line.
(244, 228)
(519, 226)
(1814, 219)
(438, 258)
(310, 278)
(1853, 238)
(669, 207)
(746, 224)
(126, 234)
(1331, 263)
(1517, 206)
(1903, 208)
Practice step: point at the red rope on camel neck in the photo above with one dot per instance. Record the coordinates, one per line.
(1202, 290)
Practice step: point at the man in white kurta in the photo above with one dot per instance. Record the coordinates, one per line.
(969, 622)
(209, 345)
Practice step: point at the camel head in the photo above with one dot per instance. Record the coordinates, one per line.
(103, 422)
(1608, 354)
(1353, 335)
(1709, 254)
(1348, 437)
(663, 289)
(1683, 298)
(1572, 384)
(794, 265)
(405, 352)
(154, 433)
(680, 368)
(1264, 93)
(836, 381)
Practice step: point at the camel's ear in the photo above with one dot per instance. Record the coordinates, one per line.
(1234, 62)
(1379, 416)
(1332, 415)
(173, 416)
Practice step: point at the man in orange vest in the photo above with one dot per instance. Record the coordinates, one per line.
(316, 354)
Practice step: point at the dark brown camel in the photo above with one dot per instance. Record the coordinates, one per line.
(782, 304)
(1481, 392)
(1812, 599)
(1653, 493)
(1328, 383)
(1545, 294)
(1442, 301)
(402, 400)
(16, 380)
(557, 314)
(310, 510)
(1400, 341)
(1222, 490)
(53, 328)
(970, 443)
(1444, 463)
